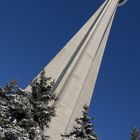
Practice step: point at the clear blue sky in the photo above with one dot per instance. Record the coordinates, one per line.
(33, 31)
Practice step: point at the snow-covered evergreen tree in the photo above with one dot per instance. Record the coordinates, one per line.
(23, 114)
(42, 96)
(83, 129)
(135, 135)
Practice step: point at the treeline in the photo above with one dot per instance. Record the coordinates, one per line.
(23, 114)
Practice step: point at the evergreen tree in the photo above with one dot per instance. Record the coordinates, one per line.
(135, 135)
(83, 130)
(42, 96)
(23, 114)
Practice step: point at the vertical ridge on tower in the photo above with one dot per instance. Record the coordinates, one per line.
(76, 66)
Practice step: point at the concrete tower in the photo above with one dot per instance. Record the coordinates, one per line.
(75, 68)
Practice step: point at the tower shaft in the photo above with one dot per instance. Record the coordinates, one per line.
(75, 69)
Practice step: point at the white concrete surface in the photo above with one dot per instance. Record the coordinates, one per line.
(75, 69)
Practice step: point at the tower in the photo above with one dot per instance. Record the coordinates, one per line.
(75, 68)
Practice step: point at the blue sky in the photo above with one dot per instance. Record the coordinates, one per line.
(33, 31)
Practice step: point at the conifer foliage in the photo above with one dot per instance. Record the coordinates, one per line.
(83, 130)
(23, 114)
(135, 135)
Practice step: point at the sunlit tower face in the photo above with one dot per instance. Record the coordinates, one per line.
(75, 68)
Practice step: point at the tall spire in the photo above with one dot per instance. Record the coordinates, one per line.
(75, 68)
